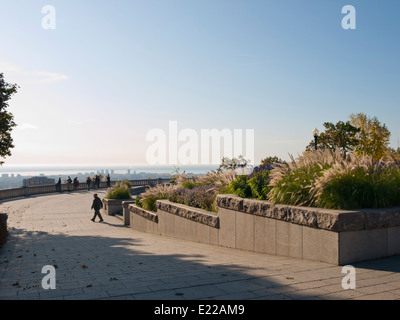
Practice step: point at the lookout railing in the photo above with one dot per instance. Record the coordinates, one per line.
(21, 192)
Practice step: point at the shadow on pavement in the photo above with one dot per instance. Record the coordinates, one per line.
(95, 267)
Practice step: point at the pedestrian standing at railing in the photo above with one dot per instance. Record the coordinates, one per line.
(69, 181)
(58, 185)
(108, 181)
(89, 182)
(97, 182)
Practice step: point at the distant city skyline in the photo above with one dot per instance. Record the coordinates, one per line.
(98, 80)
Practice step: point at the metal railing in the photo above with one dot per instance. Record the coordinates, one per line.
(21, 192)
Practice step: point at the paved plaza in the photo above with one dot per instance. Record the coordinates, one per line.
(111, 261)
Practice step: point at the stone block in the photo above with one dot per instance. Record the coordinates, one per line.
(138, 223)
(151, 227)
(214, 236)
(179, 227)
(169, 224)
(227, 231)
(112, 206)
(357, 246)
(189, 213)
(393, 241)
(230, 202)
(202, 233)
(161, 222)
(126, 212)
(289, 239)
(264, 235)
(244, 226)
(382, 218)
(320, 245)
(191, 230)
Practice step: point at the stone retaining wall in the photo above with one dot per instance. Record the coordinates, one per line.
(337, 237)
(178, 221)
(3, 228)
(334, 236)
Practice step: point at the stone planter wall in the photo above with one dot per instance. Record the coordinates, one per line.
(336, 237)
(125, 211)
(178, 221)
(3, 228)
(112, 206)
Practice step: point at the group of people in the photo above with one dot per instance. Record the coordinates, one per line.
(91, 183)
(97, 204)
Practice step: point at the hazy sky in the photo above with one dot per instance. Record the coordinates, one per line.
(111, 71)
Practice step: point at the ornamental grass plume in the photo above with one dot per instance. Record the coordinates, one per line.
(293, 182)
(325, 179)
(148, 199)
(220, 180)
(359, 182)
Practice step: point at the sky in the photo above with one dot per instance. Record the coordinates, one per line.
(108, 73)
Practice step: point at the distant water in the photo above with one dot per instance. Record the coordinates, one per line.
(62, 170)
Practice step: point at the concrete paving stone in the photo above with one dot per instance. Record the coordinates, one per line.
(274, 297)
(237, 296)
(306, 293)
(371, 289)
(239, 286)
(159, 295)
(201, 292)
(342, 295)
(379, 296)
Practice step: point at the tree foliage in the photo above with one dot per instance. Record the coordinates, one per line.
(373, 137)
(228, 164)
(7, 123)
(342, 136)
(269, 161)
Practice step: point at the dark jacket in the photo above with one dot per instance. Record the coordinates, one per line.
(97, 204)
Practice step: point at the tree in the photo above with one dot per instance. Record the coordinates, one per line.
(270, 161)
(373, 137)
(232, 164)
(6, 118)
(341, 135)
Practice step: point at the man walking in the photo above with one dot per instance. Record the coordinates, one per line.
(97, 205)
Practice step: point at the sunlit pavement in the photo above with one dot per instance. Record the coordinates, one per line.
(111, 261)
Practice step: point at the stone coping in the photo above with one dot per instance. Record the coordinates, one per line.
(148, 215)
(195, 214)
(116, 201)
(332, 220)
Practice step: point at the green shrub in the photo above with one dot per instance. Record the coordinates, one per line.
(254, 185)
(119, 191)
(240, 187)
(259, 182)
(137, 201)
(189, 184)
